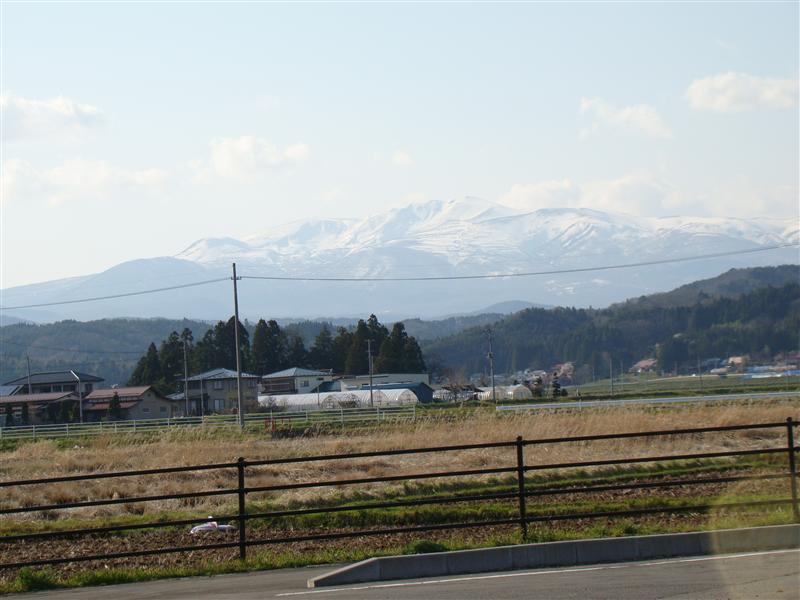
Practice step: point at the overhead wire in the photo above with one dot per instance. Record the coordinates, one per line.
(114, 296)
(419, 278)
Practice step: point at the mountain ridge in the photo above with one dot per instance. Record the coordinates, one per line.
(441, 239)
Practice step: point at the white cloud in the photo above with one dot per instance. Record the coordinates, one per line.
(736, 92)
(58, 117)
(634, 194)
(643, 194)
(401, 159)
(545, 194)
(638, 117)
(73, 180)
(247, 157)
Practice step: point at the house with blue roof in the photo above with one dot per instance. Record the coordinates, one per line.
(296, 381)
(214, 391)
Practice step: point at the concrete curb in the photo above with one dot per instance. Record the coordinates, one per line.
(564, 554)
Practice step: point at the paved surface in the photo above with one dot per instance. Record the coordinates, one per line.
(639, 401)
(762, 575)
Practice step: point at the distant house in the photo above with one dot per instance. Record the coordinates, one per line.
(39, 405)
(422, 391)
(56, 381)
(295, 381)
(142, 402)
(360, 382)
(646, 365)
(217, 388)
(737, 363)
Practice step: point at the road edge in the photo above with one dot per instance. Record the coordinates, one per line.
(564, 554)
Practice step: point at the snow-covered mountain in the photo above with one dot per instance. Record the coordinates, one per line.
(462, 237)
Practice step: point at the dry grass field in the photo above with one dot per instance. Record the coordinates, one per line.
(194, 447)
(49, 458)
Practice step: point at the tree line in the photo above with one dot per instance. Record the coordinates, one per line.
(760, 323)
(272, 348)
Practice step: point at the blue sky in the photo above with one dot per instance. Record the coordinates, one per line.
(131, 130)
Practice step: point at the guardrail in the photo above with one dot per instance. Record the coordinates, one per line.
(518, 493)
(272, 420)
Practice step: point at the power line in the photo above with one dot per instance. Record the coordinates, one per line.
(524, 274)
(432, 278)
(113, 296)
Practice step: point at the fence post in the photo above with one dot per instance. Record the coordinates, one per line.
(792, 467)
(523, 517)
(242, 510)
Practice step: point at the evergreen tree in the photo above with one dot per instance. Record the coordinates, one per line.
(148, 369)
(412, 361)
(114, 408)
(170, 358)
(321, 354)
(204, 356)
(9, 416)
(270, 348)
(390, 356)
(259, 348)
(25, 416)
(66, 413)
(340, 350)
(297, 356)
(357, 362)
(377, 332)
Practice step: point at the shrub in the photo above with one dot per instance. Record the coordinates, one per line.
(30, 579)
(425, 547)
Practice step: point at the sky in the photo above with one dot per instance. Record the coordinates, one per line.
(131, 130)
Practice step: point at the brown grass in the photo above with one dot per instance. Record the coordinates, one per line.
(47, 459)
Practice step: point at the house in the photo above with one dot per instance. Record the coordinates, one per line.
(217, 388)
(41, 408)
(295, 381)
(737, 363)
(142, 402)
(421, 390)
(646, 365)
(360, 382)
(56, 381)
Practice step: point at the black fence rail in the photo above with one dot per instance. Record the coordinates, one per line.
(519, 493)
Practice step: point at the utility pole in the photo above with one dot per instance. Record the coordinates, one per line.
(621, 378)
(490, 356)
(700, 373)
(185, 379)
(611, 374)
(369, 357)
(30, 389)
(238, 352)
(80, 396)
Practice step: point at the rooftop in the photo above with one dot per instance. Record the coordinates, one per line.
(220, 374)
(8, 390)
(123, 392)
(55, 377)
(294, 372)
(37, 398)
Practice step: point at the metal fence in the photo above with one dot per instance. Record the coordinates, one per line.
(272, 420)
(517, 493)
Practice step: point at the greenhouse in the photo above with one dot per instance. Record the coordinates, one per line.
(329, 400)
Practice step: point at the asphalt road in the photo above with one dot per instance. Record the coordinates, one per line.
(639, 401)
(762, 575)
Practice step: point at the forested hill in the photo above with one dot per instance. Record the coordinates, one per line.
(760, 323)
(730, 284)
